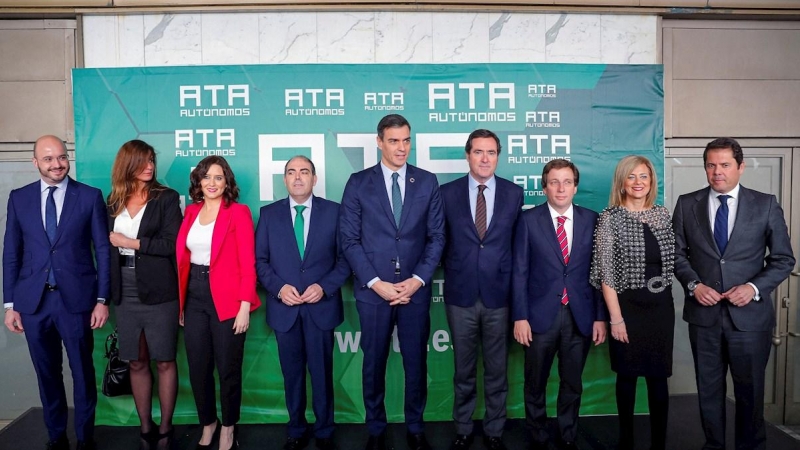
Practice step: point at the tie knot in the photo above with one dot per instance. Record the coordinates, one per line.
(395, 176)
(52, 190)
(561, 220)
(723, 199)
(481, 188)
(299, 209)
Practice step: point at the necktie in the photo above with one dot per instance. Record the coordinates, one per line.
(397, 199)
(480, 212)
(721, 223)
(561, 234)
(50, 226)
(299, 229)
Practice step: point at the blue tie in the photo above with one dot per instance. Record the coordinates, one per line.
(397, 200)
(50, 225)
(721, 224)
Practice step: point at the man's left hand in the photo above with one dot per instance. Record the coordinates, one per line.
(99, 316)
(406, 289)
(312, 294)
(740, 295)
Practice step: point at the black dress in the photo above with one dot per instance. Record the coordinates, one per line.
(650, 322)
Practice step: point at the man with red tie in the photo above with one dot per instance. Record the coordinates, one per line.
(555, 309)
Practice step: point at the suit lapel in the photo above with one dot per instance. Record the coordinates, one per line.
(70, 200)
(744, 214)
(314, 226)
(700, 210)
(548, 230)
(147, 217)
(499, 204)
(221, 226)
(411, 190)
(379, 189)
(464, 208)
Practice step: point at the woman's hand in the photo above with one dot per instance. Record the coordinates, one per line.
(619, 331)
(242, 321)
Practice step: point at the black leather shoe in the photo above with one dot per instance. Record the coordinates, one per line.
(86, 445)
(214, 438)
(417, 441)
(377, 442)
(493, 443)
(461, 442)
(61, 443)
(325, 444)
(295, 443)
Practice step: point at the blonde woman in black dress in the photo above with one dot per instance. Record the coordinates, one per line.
(633, 264)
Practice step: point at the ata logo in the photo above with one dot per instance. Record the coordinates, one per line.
(542, 119)
(214, 100)
(384, 101)
(220, 142)
(494, 104)
(314, 102)
(542, 90)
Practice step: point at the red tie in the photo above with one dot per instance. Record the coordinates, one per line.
(561, 234)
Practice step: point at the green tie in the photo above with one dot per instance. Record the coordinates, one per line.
(299, 228)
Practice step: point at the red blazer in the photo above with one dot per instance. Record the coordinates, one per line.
(232, 274)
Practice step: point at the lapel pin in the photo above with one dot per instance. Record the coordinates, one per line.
(411, 180)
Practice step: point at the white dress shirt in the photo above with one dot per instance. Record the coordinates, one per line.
(568, 224)
(488, 194)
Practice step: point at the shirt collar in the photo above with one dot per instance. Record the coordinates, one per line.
(473, 183)
(733, 192)
(306, 203)
(387, 172)
(568, 213)
(62, 185)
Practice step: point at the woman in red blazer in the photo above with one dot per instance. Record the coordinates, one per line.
(215, 252)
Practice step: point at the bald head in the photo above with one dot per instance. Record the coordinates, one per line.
(50, 157)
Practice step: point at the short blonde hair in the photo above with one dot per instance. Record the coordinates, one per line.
(624, 168)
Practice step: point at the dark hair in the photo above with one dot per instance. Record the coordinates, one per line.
(304, 158)
(725, 143)
(231, 193)
(482, 133)
(392, 121)
(560, 163)
(131, 160)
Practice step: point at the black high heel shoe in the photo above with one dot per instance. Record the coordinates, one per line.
(166, 441)
(214, 438)
(148, 440)
(235, 443)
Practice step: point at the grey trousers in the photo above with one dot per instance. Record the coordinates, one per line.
(473, 329)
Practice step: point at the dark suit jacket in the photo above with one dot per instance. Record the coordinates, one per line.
(232, 273)
(372, 241)
(540, 274)
(156, 273)
(278, 263)
(27, 253)
(475, 268)
(759, 227)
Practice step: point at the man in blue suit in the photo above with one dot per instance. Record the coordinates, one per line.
(51, 288)
(481, 211)
(392, 228)
(299, 262)
(555, 309)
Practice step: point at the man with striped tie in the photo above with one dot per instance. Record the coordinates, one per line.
(481, 210)
(555, 310)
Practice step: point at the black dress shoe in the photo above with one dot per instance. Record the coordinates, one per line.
(461, 442)
(417, 441)
(86, 445)
(377, 442)
(61, 443)
(214, 438)
(325, 444)
(494, 443)
(295, 443)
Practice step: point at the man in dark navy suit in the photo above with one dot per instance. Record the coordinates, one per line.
(299, 262)
(481, 211)
(555, 309)
(51, 288)
(392, 228)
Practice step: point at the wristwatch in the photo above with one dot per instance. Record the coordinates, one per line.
(101, 301)
(692, 285)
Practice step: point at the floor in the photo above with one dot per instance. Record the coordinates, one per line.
(594, 433)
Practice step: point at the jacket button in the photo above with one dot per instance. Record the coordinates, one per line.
(722, 261)
(481, 245)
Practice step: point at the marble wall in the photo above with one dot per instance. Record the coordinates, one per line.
(367, 37)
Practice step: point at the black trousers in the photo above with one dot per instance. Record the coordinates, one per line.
(746, 353)
(563, 338)
(210, 343)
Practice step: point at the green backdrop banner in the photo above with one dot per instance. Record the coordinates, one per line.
(257, 117)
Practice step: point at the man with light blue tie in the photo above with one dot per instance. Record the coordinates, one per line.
(51, 288)
(392, 229)
(732, 250)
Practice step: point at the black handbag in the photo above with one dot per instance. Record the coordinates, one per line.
(117, 377)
